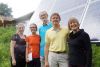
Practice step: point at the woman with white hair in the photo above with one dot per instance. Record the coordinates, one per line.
(17, 47)
(80, 51)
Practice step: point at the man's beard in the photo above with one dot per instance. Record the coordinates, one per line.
(45, 20)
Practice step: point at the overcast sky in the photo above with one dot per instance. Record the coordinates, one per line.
(21, 7)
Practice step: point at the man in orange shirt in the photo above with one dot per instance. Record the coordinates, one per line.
(33, 46)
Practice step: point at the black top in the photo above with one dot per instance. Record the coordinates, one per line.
(20, 47)
(80, 52)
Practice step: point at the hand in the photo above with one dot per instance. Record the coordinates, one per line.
(46, 64)
(13, 62)
(27, 60)
(42, 58)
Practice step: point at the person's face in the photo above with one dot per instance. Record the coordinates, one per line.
(33, 28)
(21, 29)
(74, 26)
(44, 18)
(55, 19)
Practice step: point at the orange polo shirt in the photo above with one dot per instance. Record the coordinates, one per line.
(34, 45)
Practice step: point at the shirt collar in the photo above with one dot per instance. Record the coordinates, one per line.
(56, 29)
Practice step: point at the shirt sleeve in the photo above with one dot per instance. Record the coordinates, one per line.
(14, 37)
(88, 50)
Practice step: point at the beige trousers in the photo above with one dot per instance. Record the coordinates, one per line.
(58, 59)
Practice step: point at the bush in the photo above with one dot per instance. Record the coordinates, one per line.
(5, 37)
(4, 55)
(6, 33)
(96, 56)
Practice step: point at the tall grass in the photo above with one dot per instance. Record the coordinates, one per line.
(6, 33)
(4, 55)
(96, 55)
(5, 37)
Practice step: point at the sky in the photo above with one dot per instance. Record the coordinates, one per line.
(21, 7)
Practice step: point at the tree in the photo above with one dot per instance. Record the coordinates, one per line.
(5, 10)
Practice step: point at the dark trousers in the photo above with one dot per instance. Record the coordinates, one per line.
(21, 63)
(71, 65)
(34, 63)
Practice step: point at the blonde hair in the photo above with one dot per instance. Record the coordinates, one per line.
(72, 19)
(19, 25)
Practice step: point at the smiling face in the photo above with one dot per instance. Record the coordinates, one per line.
(55, 19)
(20, 28)
(33, 28)
(73, 24)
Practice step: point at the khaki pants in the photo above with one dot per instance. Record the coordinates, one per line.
(58, 59)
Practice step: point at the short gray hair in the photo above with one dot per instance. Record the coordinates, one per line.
(43, 13)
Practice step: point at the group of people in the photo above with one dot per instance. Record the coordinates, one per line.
(54, 46)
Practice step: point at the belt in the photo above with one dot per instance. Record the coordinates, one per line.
(58, 52)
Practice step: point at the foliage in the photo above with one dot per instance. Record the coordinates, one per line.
(5, 10)
(5, 36)
(96, 55)
(4, 55)
(6, 33)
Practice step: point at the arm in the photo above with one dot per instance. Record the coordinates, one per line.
(88, 50)
(12, 44)
(47, 41)
(46, 52)
(27, 52)
(46, 55)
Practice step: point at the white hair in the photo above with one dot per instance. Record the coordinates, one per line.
(20, 25)
(43, 13)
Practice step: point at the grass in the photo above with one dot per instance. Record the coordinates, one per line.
(4, 55)
(96, 56)
(5, 37)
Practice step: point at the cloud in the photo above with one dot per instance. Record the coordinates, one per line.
(21, 7)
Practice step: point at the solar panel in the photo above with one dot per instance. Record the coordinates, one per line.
(87, 12)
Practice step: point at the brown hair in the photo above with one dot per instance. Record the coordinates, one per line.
(72, 19)
(34, 24)
(57, 15)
